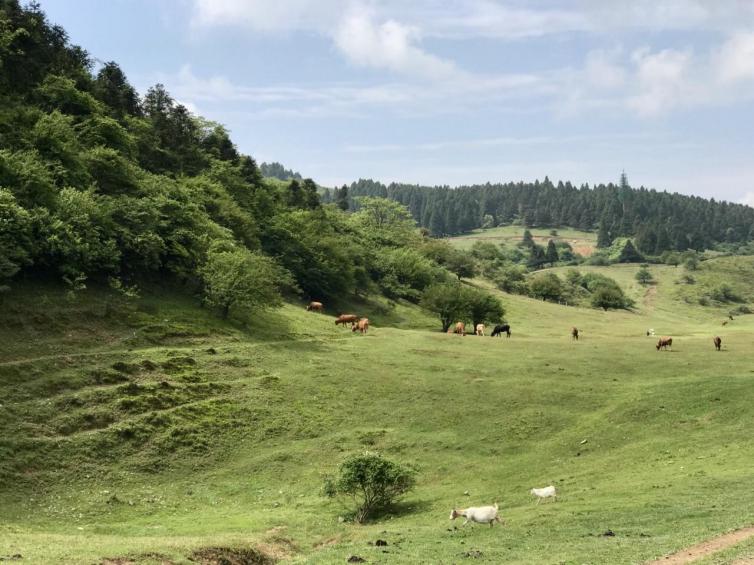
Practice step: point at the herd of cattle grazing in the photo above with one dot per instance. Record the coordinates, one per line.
(358, 324)
(361, 325)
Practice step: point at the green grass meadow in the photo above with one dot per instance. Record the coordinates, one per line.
(148, 433)
(581, 241)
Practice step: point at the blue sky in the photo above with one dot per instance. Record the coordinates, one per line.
(455, 91)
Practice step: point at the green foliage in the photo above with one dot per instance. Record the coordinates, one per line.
(551, 255)
(461, 264)
(629, 254)
(483, 307)
(15, 236)
(449, 301)
(237, 278)
(278, 171)
(372, 482)
(546, 286)
(725, 293)
(454, 302)
(385, 221)
(404, 273)
(603, 236)
(644, 276)
(607, 297)
(527, 240)
(511, 279)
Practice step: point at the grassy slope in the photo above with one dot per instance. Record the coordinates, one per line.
(581, 241)
(229, 448)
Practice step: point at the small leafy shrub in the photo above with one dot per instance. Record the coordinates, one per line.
(740, 310)
(372, 482)
(725, 293)
(644, 276)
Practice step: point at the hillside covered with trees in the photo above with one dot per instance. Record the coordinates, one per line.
(659, 221)
(101, 185)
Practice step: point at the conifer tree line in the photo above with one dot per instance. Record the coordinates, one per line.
(658, 221)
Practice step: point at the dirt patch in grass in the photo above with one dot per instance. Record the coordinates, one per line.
(231, 556)
(706, 548)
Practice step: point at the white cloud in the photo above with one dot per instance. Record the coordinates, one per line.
(265, 15)
(603, 70)
(735, 59)
(488, 18)
(662, 81)
(387, 45)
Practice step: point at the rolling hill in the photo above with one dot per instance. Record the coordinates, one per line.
(154, 432)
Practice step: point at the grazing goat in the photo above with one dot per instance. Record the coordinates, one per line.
(361, 326)
(480, 330)
(546, 492)
(718, 342)
(664, 343)
(575, 333)
(315, 306)
(501, 329)
(347, 319)
(479, 514)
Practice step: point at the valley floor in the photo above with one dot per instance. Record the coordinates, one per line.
(159, 434)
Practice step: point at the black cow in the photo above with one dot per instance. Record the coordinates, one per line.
(501, 329)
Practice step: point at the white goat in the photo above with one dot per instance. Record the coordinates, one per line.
(479, 514)
(545, 492)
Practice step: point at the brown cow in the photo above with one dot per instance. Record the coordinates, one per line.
(459, 328)
(718, 342)
(664, 343)
(347, 319)
(361, 326)
(315, 306)
(575, 333)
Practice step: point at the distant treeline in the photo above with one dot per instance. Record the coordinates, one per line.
(277, 171)
(658, 221)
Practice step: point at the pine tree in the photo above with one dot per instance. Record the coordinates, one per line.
(551, 255)
(603, 236)
(537, 257)
(528, 240)
(341, 198)
(629, 254)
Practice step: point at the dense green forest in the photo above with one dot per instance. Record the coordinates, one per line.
(100, 185)
(659, 221)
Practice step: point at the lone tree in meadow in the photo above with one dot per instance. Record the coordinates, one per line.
(644, 276)
(372, 482)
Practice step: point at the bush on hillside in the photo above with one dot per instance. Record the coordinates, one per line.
(546, 286)
(372, 482)
(725, 293)
(644, 276)
(607, 297)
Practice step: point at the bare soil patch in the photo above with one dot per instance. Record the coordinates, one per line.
(706, 548)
